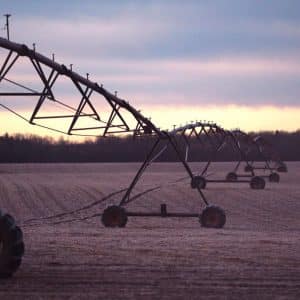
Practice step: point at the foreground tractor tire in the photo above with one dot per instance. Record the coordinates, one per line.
(274, 177)
(232, 177)
(11, 246)
(114, 216)
(213, 217)
(257, 183)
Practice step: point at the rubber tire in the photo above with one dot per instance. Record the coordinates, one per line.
(248, 168)
(198, 181)
(114, 216)
(12, 246)
(231, 177)
(213, 217)
(257, 183)
(274, 177)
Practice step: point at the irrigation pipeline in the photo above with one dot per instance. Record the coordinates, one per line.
(54, 100)
(25, 119)
(33, 221)
(51, 99)
(25, 222)
(84, 87)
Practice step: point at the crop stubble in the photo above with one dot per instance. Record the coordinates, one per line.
(70, 254)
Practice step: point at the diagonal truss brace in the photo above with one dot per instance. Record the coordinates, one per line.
(46, 92)
(8, 63)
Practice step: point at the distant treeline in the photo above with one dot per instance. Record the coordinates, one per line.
(28, 148)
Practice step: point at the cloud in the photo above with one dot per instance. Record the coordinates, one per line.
(251, 81)
(131, 29)
(197, 53)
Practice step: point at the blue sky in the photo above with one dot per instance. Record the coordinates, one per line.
(165, 53)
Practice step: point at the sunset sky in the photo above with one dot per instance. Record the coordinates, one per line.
(234, 62)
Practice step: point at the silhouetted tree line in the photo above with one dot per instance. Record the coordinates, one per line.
(29, 148)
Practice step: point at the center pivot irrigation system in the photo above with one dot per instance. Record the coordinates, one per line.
(261, 147)
(121, 119)
(213, 139)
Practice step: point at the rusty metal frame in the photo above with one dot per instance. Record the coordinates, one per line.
(270, 158)
(85, 87)
(217, 138)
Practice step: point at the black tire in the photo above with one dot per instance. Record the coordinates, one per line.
(257, 183)
(11, 246)
(114, 216)
(213, 217)
(232, 177)
(248, 168)
(198, 181)
(274, 177)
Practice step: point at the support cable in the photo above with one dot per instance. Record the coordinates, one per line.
(73, 109)
(43, 126)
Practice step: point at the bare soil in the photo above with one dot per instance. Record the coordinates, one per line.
(69, 254)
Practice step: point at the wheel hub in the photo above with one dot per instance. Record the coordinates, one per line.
(114, 219)
(212, 220)
(213, 217)
(114, 216)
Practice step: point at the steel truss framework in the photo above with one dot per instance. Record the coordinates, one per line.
(212, 216)
(84, 87)
(209, 135)
(216, 138)
(265, 152)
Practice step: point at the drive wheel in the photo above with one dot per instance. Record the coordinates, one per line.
(114, 216)
(257, 183)
(213, 217)
(231, 177)
(11, 246)
(274, 177)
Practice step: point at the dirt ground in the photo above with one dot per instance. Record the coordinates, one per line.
(69, 254)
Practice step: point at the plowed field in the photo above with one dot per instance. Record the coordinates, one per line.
(69, 254)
